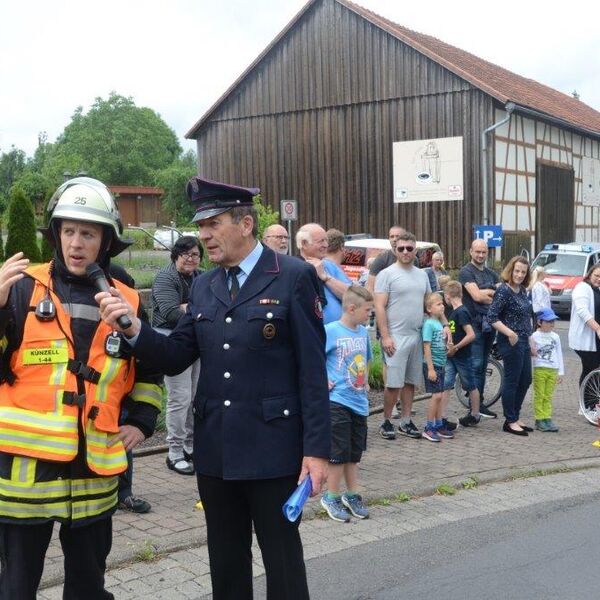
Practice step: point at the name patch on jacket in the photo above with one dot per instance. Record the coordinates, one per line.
(39, 356)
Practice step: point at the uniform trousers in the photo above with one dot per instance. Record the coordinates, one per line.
(231, 509)
(23, 549)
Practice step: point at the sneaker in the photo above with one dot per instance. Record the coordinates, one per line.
(486, 413)
(135, 505)
(335, 509)
(469, 421)
(444, 433)
(409, 430)
(386, 430)
(551, 425)
(355, 505)
(431, 435)
(449, 425)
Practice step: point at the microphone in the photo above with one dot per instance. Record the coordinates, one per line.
(96, 274)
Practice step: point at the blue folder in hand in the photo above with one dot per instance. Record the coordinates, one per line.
(292, 509)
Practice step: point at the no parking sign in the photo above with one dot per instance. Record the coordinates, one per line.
(289, 210)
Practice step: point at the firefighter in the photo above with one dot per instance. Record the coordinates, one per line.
(65, 376)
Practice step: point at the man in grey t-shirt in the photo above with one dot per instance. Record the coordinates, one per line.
(399, 299)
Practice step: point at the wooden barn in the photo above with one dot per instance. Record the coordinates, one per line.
(140, 205)
(317, 117)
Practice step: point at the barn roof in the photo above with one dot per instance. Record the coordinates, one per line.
(501, 84)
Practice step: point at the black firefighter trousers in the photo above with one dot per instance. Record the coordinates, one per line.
(23, 549)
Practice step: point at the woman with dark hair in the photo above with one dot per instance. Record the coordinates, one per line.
(170, 295)
(584, 328)
(510, 315)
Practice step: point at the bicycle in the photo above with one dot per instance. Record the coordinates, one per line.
(589, 396)
(494, 378)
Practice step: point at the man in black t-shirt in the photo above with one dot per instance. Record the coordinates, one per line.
(480, 283)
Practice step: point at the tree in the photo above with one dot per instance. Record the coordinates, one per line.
(12, 164)
(115, 141)
(172, 180)
(21, 226)
(266, 215)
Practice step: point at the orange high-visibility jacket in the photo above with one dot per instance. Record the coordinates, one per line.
(40, 411)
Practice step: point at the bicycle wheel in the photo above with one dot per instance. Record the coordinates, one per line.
(494, 376)
(589, 396)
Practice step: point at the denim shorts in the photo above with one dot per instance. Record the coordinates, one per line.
(437, 386)
(463, 367)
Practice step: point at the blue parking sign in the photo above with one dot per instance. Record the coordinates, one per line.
(492, 234)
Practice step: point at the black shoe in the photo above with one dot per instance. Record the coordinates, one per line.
(449, 425)
(189, 456)
(506, 427)
(135, 505)
(386, 430)
(486, 413)
(526, 428)
(409, 430)
(469, 421)
(181, 466)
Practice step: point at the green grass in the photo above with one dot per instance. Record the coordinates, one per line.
(445, 489)
(146, 552)
(470, 483)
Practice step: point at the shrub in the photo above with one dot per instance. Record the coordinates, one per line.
(376, 369)
(21, 227)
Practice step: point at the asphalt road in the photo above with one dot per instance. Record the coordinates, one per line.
(546, 552)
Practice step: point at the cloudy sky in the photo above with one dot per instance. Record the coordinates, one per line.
(178, 56)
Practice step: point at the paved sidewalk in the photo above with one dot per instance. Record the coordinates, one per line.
(404, 465)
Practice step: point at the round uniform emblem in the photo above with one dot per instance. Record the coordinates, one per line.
(269, 331)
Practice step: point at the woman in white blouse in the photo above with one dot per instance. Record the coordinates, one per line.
(540, 293)
(584, 328)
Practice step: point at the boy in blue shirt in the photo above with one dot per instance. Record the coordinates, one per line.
(348, 351)
(434, 361)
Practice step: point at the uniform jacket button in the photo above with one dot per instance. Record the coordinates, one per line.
(227, 403)
(227, 374)
(269, 315)
(228, 320)
(225, 346)
(286, 413)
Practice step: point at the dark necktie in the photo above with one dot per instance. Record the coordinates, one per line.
(234, 284)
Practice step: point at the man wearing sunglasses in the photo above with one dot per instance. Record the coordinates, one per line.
(399, 295)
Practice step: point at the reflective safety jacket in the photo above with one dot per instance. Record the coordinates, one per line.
(52, 392)
(60, 399)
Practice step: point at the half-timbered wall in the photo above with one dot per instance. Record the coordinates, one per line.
(518, 146)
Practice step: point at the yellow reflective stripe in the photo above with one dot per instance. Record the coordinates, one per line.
(57, 488)
(3, 343)
(149, 393)
(59, 370)
(23, 469)
(111, 368)
(90, 508)
(99, 458)
(98, 485)
(39, 442)
(19, 510)
(46, 421)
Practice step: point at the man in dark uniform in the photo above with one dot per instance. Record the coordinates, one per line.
(261, 409)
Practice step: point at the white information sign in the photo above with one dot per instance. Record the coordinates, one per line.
(289, 210)
(428, 170)
(590, 175)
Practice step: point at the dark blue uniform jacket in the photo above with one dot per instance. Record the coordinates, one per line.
(262, 400)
